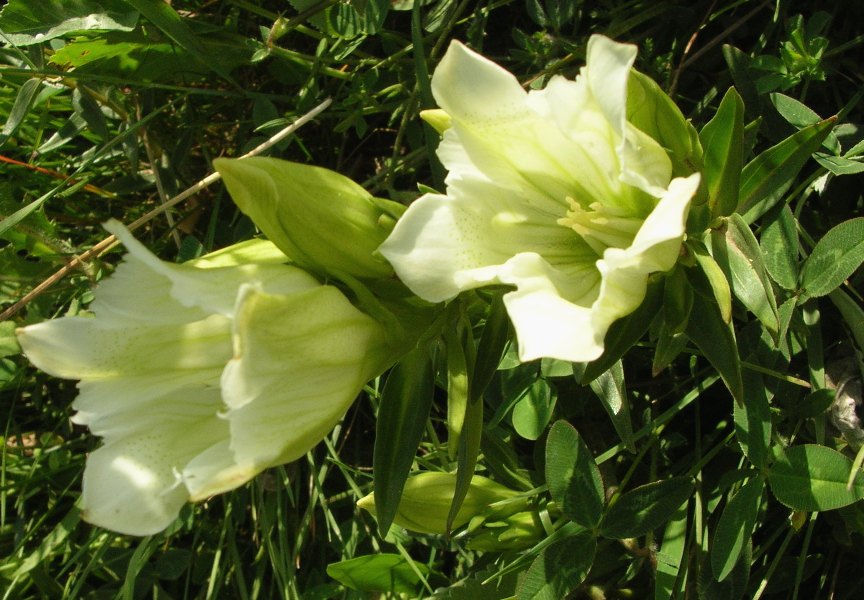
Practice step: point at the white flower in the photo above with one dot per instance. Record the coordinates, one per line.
(199, 376)
(550, 191)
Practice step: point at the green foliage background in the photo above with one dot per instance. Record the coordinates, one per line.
(110, 107)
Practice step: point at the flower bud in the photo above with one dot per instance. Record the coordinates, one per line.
(426, 500)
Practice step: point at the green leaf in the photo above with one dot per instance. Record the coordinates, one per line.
(839, 165)
(405, 404)
(780, 247)
(753, 420)
(800, 115)
(490, 349)
(532, 412)
(559, 568)
(715, 277)
(851, 313)
(23, 101)
(645, 508)
(716, 340)
(572, 476)
(25, 22)
(383, 573)
(320, 219)
(677, 300)
(739, 256)
(767, 177)
(735, 527)
(723, 143)
(623, 334)
(811, 477)
(480, 585)
(457, 388)
(670, 554)
(610, 388)
(834, 259)
(163, 16)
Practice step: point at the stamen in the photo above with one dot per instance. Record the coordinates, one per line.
(600, 226)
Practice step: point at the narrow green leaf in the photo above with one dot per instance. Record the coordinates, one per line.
(572, 476)
(491, 348)
(731, 588)
(670, 554)
(677, 300)
(405, 404)
(780, 247)
(737, 252)
(735, 527)
(645, 508)
(457, 389)
(612, 392)
(852, 314)
(559, 569)
(811, 477)
(716, 340)
(23, 101)
(723, 143)
(834, 259)
(767, 177)
(381, 573)
(839, 165)
(163, 16)
(669, 346)
(716, 279)
(753, 420)
(799, 115)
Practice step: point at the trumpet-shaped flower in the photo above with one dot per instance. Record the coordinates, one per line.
(553, 192)
(199, 376)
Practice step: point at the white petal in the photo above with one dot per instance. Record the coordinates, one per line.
(443, 245)
(81, 348)
(300, 361)
(547, 324)
(130, 487)
(213, 290)
(643, 162)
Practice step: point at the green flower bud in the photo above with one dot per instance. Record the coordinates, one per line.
(322, 220)
(426, 500)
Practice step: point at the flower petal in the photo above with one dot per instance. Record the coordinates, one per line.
(300, 361)
(83, 348)
(547, 323)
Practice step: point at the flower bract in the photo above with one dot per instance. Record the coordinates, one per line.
(198, 376)
(552, 192)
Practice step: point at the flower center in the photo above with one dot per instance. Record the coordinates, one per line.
(601, 226)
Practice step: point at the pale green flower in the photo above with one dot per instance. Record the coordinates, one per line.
(199, 376)
(550, 191)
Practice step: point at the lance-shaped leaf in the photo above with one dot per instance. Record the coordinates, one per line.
(768, 176)
(779, 243)
(405, 404)
(753, 420)
(735, 527)
(612, 392)
(716, 340)
(723, 142)
(322, 220)
(737, 252)
(715, 278)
